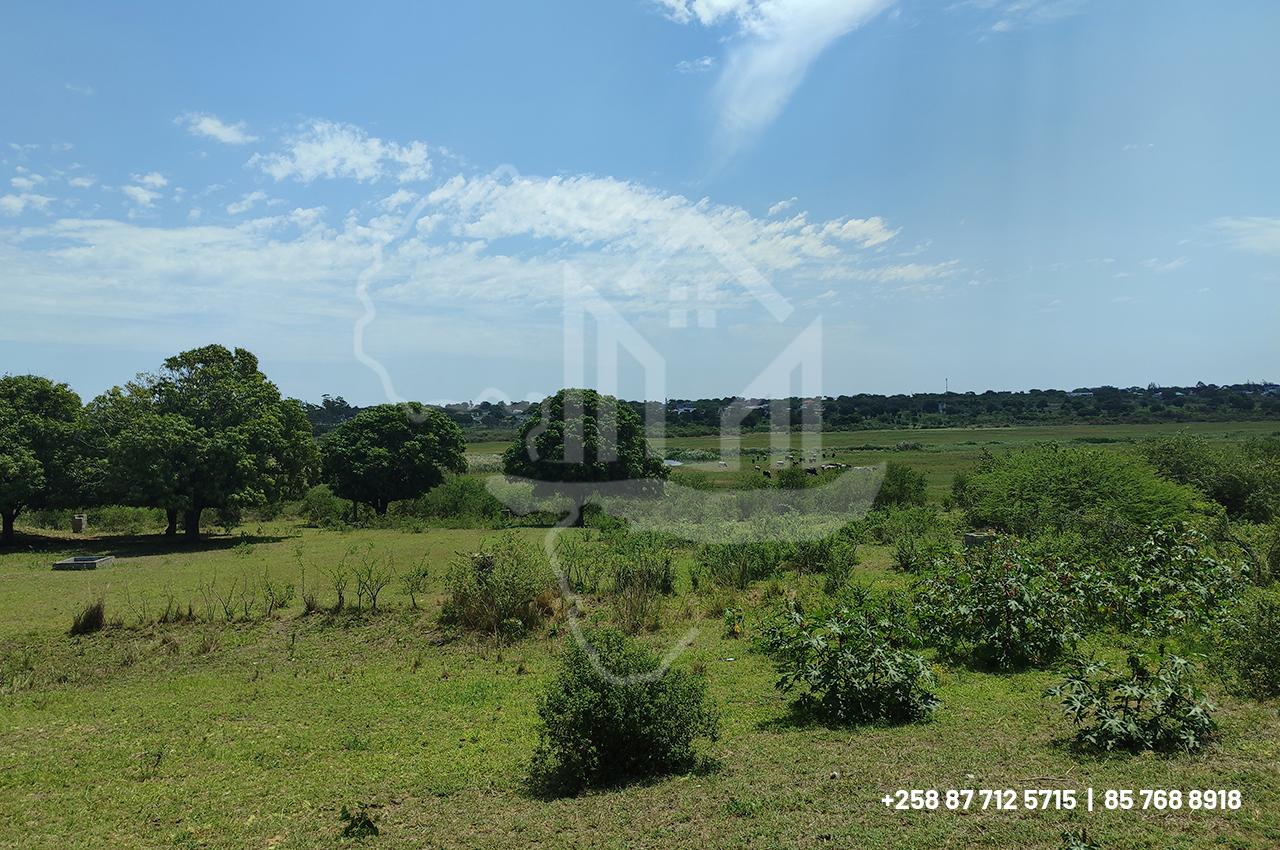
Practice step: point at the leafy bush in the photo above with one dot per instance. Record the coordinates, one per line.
(792, 478)
(852, 665)
(461, 501)
(902, 487)
(839, 565)
(507, 580)
(1249, 643)
(1168, 581)
(735, 622)
(1243, 478)
(998, 606)
(1146, 708)
(322, 508)
(1107, 496)
(599, 729)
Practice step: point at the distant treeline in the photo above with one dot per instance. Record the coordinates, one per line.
(865, 411)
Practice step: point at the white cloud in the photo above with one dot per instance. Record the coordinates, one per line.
(87, 91)
(140, 195)
(153, 180)
(326, 149)
(16, 204)
(1010, 15)
(212, 127)
(774, 42)
(782, 206)
(26, 182)
(246, 203)
(1162, 266)
(81, 182)
(1255, 234)
(398, 199)
(694, 66)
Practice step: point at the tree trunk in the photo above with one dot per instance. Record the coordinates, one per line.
(171, 530)
(193, 524)
(380, 508)
(9, 517)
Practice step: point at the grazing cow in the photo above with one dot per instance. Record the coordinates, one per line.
(756, 467)
(724, 465)
(767, 473)
(811, 470)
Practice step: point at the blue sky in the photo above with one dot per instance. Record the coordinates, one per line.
(1002, 193)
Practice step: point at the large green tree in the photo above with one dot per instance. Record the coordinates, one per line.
(577, 438)
(390, 452)
(208, 431)
(39, 446)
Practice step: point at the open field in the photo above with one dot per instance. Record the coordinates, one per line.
(256, 732)
(943, 451)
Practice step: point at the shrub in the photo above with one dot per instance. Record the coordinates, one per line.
(583, 560)
(415, 581)
(1249, 643)
(508, 579)
(89, 618)
(792, 478)
(843, 558)
(1168, 581)
(852, 665)
(1243, 478)
(600, 729)
(461, 501)
(322, 508)
(1147, 708)
(902, 486)
(998, 606)
(1106, 495)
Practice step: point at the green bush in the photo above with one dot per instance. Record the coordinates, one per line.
(998, 606)
(503, 589)
(599, 730)
(322, 508)
(462, 501)
(852, 665)
(1156, 707)
(1242, 477)
(1168, 581)
(902, 487)
(1249, 643)
(1106, 495)
(792, 478)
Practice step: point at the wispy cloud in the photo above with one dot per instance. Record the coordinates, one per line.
(1010, 15)
(246, 203)
(772, 45)
(1164, 266)
(87, 91)
(1255, 234)
(695, 66)
(212, 127)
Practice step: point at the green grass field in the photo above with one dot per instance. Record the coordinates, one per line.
(255, 734)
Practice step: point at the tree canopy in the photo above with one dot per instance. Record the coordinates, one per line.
(391, 452)
(38, 446)
(579, 437)
(207, 431)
